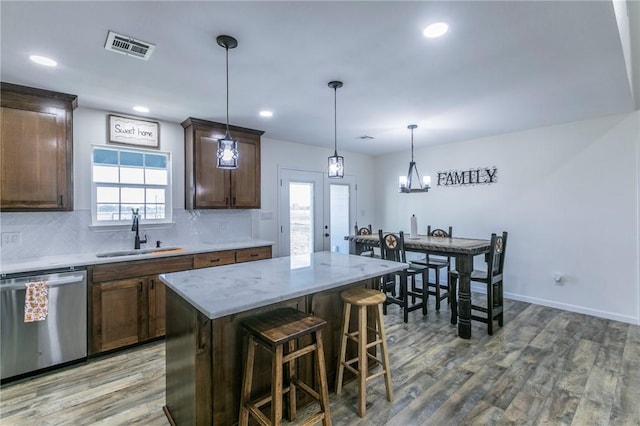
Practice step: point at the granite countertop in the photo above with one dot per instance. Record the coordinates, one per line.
(84, 259)
(229, 289)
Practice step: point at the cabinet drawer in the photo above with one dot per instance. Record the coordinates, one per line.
(218, 258)
(139, 268)
(256, 253)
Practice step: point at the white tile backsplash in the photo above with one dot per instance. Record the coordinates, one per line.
(56, 233)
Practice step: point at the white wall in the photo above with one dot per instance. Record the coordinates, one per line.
(90, 128)
(567, 195)
(279, 154)
(47, 233)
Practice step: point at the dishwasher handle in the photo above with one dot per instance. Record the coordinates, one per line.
(73, 279)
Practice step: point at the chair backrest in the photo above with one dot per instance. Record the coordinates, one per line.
(392, 246)
(439, 232)
(495, 260)
(363, 231)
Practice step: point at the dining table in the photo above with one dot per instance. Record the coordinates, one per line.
(462, 249)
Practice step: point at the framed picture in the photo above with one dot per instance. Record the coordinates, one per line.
(133, 131)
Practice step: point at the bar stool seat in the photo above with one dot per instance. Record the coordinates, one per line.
(363, 298)
(274, 330)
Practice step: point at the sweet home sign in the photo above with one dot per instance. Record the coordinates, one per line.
(478, 176)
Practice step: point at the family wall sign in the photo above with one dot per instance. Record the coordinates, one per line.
(479, 176)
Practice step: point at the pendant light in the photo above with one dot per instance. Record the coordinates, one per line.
(405, 181)
(227, 146)
(336, 162)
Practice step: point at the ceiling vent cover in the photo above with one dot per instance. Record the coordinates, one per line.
(128, 46)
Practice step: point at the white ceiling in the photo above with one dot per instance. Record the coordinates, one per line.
(502, 67)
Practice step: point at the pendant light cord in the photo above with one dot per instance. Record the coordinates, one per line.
(227, 59)
(335, 122)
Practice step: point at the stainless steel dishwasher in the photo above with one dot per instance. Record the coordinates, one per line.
(60, 338)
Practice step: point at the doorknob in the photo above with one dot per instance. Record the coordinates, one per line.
(326, 234)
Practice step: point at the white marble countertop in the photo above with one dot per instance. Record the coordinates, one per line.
(229, 289)
(81, 260)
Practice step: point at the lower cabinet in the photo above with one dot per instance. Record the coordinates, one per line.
(127, 311)
(156, 307)
(128, 300)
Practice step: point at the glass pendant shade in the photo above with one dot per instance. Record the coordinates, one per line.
(336, 166)
(227, 153)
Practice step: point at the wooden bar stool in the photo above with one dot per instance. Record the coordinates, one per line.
(362, 298)
(274, 330)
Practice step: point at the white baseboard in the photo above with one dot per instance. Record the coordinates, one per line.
(564, 306)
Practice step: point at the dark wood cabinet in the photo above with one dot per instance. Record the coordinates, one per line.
(128, 300)
(127, 311)
(206, 186)
(119, 314)
(156, 307)
(204, 357)
(36, 149)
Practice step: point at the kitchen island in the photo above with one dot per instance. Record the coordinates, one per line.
(205, 309)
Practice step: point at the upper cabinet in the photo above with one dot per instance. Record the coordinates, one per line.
(36, 149)
(206, 186)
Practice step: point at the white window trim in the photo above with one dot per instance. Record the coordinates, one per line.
(121, 224)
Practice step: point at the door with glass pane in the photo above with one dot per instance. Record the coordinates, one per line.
(315, 212)
(340, 211)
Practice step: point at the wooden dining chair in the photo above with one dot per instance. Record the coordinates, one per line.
(392, 248)
(493, 279)
(366, 249)
(436, 263)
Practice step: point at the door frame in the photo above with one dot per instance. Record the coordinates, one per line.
(321, 197)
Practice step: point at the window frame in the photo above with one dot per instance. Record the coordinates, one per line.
(168, 204)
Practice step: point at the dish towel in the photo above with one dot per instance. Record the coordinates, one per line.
(36, 301)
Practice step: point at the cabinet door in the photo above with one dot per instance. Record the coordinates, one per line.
(245, 180)
(119, 313)
(212, 185)
(157, 292)
(33, 159)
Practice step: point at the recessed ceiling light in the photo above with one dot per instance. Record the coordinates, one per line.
(141, 109)
(436, 30)
(266, 114)
(43, 60)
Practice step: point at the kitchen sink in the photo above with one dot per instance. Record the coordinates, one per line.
(159, 250)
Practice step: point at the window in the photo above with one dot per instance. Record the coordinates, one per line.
(124, 180)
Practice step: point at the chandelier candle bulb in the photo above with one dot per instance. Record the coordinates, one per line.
(414, 227)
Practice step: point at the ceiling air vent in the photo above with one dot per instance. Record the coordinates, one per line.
(128, 46)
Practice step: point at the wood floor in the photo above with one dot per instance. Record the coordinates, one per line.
(544, 367)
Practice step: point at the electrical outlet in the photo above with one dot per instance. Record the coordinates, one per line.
(11, 239)
(558, 278)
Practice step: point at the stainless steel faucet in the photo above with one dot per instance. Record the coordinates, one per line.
(135, 227)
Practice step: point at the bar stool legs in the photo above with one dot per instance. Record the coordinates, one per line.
(362, 298)
(273, 330)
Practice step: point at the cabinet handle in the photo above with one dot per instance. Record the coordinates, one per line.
(254, 254)
(153, 283)
(214, 260)
(226, 201)
(140, 286)
(61, 204)
(234, 201)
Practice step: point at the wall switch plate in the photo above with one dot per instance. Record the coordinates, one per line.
(11, 239)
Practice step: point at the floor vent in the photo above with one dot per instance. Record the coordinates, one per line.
(128, 46)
